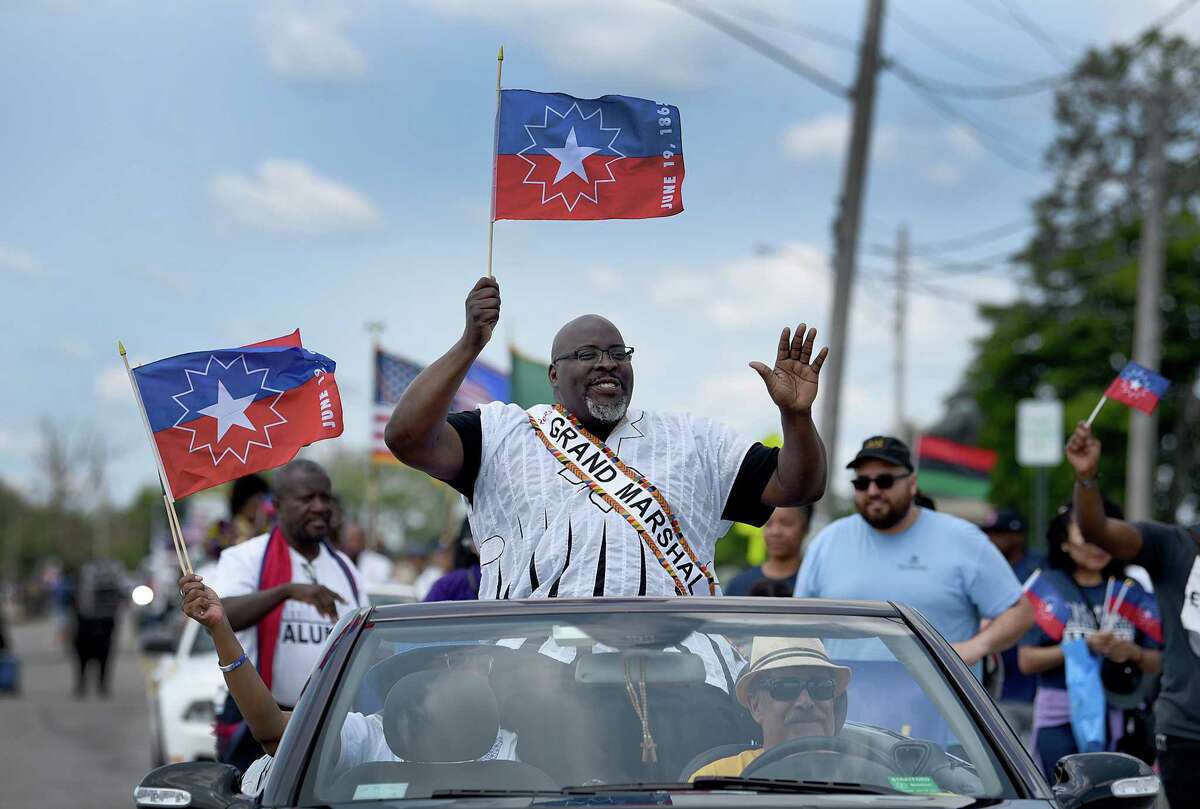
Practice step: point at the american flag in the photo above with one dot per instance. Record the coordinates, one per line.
(393, 374)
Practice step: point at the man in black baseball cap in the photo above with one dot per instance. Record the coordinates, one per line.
(894, 550)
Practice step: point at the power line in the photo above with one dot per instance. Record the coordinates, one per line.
(1036, 32)
(948, 48)
(984, 91)
(989, 136)
(1173, 14)
(761, 46)
(815, 33)
(971, 239)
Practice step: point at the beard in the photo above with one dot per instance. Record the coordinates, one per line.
(882, 522)
(606, 413)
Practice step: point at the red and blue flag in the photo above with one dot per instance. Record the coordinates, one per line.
(1138, 387)
(218, 415)
(1050, 610)
(561, 157)
(1138, 607)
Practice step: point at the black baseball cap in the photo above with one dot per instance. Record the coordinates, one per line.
(1005, 520)
(884, 448)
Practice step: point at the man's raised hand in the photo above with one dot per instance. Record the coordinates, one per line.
(483, 312)
(200, 602)
(792, 383)
(1083, 451)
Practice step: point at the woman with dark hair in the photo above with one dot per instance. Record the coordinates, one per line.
(1083, 575)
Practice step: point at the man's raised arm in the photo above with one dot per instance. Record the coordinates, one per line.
(801, 473)
(1121, 539)
(417, 433)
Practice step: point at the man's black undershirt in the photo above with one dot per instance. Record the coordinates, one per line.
(743, 505)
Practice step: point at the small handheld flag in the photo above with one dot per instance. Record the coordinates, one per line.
(218, 415)
(1138, 607)
(561, 157)
(1050, 611)
(1136, 386)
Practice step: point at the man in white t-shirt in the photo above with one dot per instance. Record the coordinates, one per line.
(283, 592)
(587, 496)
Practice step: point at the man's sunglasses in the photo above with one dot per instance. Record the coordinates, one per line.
(786, 689)
(616, 353)
(884, 481)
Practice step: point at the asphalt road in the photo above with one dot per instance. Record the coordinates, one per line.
(57, 750)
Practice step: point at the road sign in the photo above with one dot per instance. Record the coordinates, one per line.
(1040, 432)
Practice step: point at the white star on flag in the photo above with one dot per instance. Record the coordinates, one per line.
(229, 411)
(570, 157)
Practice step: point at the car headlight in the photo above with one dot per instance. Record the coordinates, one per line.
(200, 711)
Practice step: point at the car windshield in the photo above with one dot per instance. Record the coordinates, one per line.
(594, 700)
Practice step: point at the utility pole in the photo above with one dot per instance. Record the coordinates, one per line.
(846, 225)
(901, 315)
(1147, 331)
(373, 328)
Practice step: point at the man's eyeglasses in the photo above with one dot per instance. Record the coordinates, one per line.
(786, 689)
(884, 481)
(593, 353)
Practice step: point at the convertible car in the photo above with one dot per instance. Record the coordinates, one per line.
(640, 702)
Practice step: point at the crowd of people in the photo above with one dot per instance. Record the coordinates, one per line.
(570, 499)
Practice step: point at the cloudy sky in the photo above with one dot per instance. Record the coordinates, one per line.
(190, 175)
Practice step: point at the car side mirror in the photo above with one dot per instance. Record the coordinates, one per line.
(1104, 781)
(199, 784)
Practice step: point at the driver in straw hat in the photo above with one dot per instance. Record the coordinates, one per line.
(791, 689)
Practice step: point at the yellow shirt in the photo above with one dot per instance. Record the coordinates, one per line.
(730, 765)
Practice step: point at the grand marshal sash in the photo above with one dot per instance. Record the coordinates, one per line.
(627, 491)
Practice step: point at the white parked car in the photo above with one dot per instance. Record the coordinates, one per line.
(182, 690)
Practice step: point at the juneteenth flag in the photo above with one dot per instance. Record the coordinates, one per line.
(1138, 387)
(218, 415)
(951, 469)
(561, 157)
(1050, 610)
(1138, 607)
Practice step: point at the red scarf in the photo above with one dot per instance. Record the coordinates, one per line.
(276, 570)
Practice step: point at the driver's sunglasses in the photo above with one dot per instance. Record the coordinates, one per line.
(786, 689)
(617, 353)
(884, 481)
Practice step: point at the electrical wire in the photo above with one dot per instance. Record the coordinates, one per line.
(984, 91)
(948, 48)
(990, 136)
(761, 46)
(815, 33)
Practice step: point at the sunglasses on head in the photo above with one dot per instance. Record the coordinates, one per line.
(884, 481)
(786, 689)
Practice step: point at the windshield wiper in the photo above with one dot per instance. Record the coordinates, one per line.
(733, 783)
(495, 793)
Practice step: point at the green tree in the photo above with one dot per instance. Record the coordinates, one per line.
(1072, 327)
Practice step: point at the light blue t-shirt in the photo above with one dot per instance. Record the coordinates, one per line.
(942, 565)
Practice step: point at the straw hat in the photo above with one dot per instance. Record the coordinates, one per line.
(768, 653)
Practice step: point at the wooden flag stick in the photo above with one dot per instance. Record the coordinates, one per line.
(185, 564)
(1096, 410)
(495, 156)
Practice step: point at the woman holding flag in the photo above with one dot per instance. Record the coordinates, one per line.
(1082, 595)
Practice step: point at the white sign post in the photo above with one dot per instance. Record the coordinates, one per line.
(1040, 432)
(1040, 446)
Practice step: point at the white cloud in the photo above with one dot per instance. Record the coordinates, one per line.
(604, 279)
(826, 137)
(287, 196)
(19, 262)
(748, 289)
(621, 40)
(944, 174)
(112, 384)
(310, 47)
(962, 141)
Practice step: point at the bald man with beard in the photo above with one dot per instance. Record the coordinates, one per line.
(589, 496)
